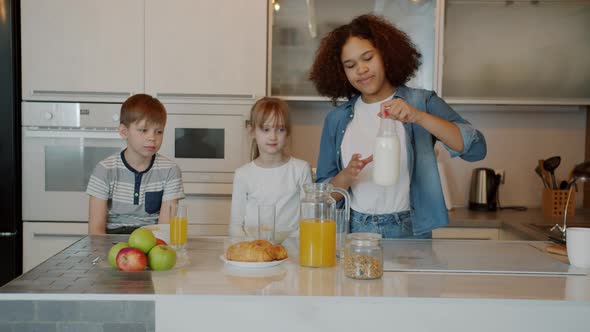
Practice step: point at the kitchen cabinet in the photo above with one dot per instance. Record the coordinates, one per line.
(42, 240)
(75, 50)
(297, 28)
(202, 50)
(516, 52)
(95, 51)
(208, 215)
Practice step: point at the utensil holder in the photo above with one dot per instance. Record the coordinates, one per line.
(554, 202)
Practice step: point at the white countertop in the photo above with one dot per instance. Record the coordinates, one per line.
(203, 292)
(207, 274)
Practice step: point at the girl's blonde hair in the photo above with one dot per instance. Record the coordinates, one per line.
(264, 109)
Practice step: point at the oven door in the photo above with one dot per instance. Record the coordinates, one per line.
(206, 144)
(57, 164)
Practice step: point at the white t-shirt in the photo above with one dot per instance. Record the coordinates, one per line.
(282, 186)
(360, 135)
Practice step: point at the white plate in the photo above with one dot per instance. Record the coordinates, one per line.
(251, 264)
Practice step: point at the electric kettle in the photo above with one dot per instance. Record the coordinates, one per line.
(483, 195)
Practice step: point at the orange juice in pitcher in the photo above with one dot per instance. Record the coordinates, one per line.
(317, 227)
(317, 245)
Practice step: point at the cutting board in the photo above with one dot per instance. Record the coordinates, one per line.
(467, 256)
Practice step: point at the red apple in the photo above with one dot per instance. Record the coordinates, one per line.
(160, 241)
(162, 258)
(131, 259)
(115, 251)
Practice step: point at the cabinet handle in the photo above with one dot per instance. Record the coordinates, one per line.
(59, 93)
(206, 96)
(57, 133)
(53, 235)
(8, 234)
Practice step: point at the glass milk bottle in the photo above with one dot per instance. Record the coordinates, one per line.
(317, 227)
(387, 154)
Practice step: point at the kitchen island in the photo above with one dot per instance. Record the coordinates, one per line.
(201, 291)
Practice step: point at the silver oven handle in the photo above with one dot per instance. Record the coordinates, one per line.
(44, 133)
(54, 235)
(206, 96)
(61, 93)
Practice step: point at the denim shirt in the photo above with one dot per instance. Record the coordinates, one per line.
(427, 206)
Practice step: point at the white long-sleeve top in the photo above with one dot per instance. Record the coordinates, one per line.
(282, 186)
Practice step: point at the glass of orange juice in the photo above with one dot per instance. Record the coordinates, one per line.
(178, 226)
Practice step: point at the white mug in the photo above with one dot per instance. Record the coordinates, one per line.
(578, 246)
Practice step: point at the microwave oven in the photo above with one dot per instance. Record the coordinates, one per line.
(208, 142)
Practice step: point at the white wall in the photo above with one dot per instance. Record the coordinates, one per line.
(516, 140)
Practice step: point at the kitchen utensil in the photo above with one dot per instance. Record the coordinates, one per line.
(580, 172)
(540, 174)
(544, 174)
(483, 195)
(317, 227)
(563, 185)
(550, 165)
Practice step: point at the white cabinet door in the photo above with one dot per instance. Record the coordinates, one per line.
(202, 50)
(82, 50)
(41, 240)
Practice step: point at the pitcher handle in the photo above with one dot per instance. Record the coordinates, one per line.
(346, 196)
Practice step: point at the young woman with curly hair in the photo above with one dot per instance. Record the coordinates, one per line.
(367, 62)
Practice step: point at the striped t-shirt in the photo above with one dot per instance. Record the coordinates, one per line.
(134, 198)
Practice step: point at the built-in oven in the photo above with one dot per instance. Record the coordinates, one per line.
(208, 142)
(61, 145)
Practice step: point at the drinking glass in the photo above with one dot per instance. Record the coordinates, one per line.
(266, 222)
(342, 228)
(178, 226)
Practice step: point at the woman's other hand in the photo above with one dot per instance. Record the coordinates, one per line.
(356, 165)
(398, 109)
(350, 173)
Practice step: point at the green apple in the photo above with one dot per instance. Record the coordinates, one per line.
(142, 239)
(161, 257)
(114, 251)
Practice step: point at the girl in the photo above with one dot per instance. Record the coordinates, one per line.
(368, 61)
(272, 177)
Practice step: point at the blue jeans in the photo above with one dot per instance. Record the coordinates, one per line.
(390, 226)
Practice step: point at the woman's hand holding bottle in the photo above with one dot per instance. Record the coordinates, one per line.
(398, 109)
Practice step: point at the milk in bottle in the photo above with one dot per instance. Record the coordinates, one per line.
(386, 155)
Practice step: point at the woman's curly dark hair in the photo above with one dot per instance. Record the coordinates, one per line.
(400, 57)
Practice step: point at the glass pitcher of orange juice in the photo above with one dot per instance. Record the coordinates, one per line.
(317, 227)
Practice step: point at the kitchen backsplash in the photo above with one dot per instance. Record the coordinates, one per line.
(516, 140)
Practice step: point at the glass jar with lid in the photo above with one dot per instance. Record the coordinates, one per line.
(363, 256)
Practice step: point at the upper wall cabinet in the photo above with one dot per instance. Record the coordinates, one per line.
(82, 49)
(297, 28)
(204, 50)
(516, 52)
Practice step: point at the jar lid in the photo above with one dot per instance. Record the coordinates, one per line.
(364, 239)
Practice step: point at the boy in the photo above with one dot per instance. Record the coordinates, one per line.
(135, 187)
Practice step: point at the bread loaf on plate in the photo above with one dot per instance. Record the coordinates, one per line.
(255, 251)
